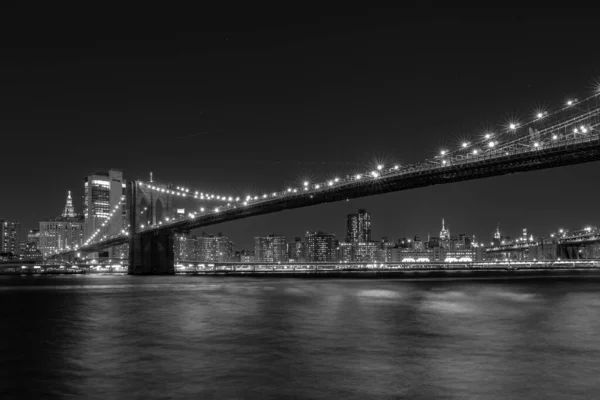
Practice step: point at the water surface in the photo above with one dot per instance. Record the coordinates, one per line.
(105, 337)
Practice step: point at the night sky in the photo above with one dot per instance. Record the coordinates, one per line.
(252, 100)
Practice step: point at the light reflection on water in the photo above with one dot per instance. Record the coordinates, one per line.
(201, 337)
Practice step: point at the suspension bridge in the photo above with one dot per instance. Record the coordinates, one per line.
(565, 136)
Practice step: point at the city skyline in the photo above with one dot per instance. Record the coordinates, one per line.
(212, 132)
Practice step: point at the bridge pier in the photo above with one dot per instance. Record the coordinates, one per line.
(151, 253)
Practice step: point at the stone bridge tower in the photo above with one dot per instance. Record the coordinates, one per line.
(149, 252)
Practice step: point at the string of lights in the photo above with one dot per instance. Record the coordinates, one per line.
(582, 123)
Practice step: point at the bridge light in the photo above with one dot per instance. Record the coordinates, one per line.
(289, 189)
(255, 197)
(317, 186)
(487, 135)
(512, 126)
(536, 144)
(554, 137)
(380, 167)
(491, 144)
(201, 209)
(584, 129)
(375, 174)
(245, 203)
(337, 179)
(295, 190)
(444, 162)
(142, 226)
(274, 194)
(330, 183)
(305, 183)
(443, 152)
(396, 167)
(571, 102)
(575, 130)
(264, 196)
(475, 151)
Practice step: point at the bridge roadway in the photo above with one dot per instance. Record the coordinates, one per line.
(577, 151)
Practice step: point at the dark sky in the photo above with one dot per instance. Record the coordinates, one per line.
(251, 100)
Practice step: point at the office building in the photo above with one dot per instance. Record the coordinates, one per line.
(321, 247)
(214, 248)
(104, 192)
(270, 249)
(297, 250)
(184, 247)
(62, 233)
(10, 237)
(358, 227)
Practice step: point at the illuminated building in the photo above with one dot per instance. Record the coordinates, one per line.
(365, 251)
(359, 227)
(246, 256)
(62, 233)
(321, 247)
(270, 249)
(33, 236)
(297, 250)
(184, 247)
(10, 235)
(445, 236)
(386, 249)
(214, 248)
(345, 253)
(103, 191)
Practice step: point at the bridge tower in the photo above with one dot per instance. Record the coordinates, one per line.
(150, 253)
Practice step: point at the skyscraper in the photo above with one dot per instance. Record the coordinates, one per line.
(297, 250)
(61, 233)
(270, 248)
(214, 248)
(103, 191)
(358, 227)
(10, 236)
(320, 247)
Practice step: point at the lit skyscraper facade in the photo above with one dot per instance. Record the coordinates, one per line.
(61, 233)
(297, 250)
(272, 248)
(214, 248)
(359, 227)
(103, 191)
(10, 236)
(321, 247)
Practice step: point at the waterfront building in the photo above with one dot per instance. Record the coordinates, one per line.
(247, 256)
(411, 255)
(33, 236)
(270, 249)
(213, 248)
(358, 227)
(365, 251)
(345, 252)
(62, 233)
(386, 248)
(296, 250)
(417, 244)
(321, 247)
(184, 247)
(103, 192)
(31, 252)
(10, 237)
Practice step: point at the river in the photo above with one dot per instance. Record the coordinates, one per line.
(124, 337)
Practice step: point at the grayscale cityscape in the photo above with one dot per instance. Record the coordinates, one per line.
(299, 201)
